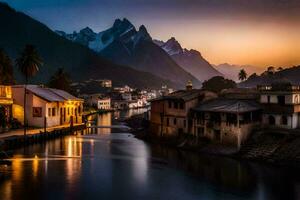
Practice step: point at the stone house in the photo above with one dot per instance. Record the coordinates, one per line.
(169, 115)
(227, 121)
(281, 106)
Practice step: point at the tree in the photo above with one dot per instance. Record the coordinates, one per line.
(60, 80)
(6, 69)
(279, 69)
(218, 83)
(271, 70)
(242, 75)
(29, 63)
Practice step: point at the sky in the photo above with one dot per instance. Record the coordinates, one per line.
(252, 32)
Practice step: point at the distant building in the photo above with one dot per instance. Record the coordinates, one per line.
(126, 96)
(55, 107)
(281, 106)
(169, 115)
(6, 103)
(120, 104)
(105, 83)
(104, 103)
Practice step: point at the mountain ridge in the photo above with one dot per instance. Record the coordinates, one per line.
(80, 62)
(190, 60)
(126, 45)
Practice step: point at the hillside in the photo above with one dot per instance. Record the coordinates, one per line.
(18, 29)
(291, 74)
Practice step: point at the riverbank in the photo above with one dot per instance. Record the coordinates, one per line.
(272, 148)
(15, 139)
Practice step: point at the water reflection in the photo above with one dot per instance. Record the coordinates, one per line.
(119, 166)
(107, 119)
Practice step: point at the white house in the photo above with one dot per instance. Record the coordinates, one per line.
(104, 103)
(48, 106)
(281, 106)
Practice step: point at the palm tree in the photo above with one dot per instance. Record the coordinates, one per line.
(60, 80)
(29, 64)
(242, 75)
(6, 69)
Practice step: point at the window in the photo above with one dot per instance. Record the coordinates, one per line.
(168, 121)
(269, 99)
(296, 99)
(175, 121)
(53, 112)
(284, 120)
(68, 111)
(49, 112)
(36, 112)
(281, 100)
(175, 105)
(170, 104)
(184, 123)
(271, 120)
(79, 110)
(181, 105)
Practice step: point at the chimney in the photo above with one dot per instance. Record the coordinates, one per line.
(189, 85)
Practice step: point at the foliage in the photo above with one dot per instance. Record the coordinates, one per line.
(242, 75)
(6, 69)
(218, 83)
(29, 62)
(60, 80)
(281, 85)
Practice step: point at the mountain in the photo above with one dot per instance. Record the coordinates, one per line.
(290, 74)
(231, 71)
(18, 29)
(190, 60)
(124, 44)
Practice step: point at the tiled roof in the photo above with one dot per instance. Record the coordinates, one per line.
(185, 95)
(228, 106)
(50, 94)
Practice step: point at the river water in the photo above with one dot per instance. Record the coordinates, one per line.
(118, 166)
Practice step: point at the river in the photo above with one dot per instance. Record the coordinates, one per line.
(110, 165)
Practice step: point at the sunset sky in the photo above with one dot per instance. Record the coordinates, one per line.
(255, 32)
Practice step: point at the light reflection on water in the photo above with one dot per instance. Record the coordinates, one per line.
(119, 166)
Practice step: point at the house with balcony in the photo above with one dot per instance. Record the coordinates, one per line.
(281, 106)
(227, 121)
(6, 103)
(169, 115)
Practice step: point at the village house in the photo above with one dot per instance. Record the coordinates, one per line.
(46, 106)
(281, 106)
(227, 121)
(169, 115)
(104, 103)
(6, 103)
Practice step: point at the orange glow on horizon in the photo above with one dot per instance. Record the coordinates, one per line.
(257, 43)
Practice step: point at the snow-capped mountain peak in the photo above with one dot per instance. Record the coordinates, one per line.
(171, 46)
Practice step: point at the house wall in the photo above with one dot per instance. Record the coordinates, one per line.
(52, 120)
(104, 104)
(293, 98)
(292, 121)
